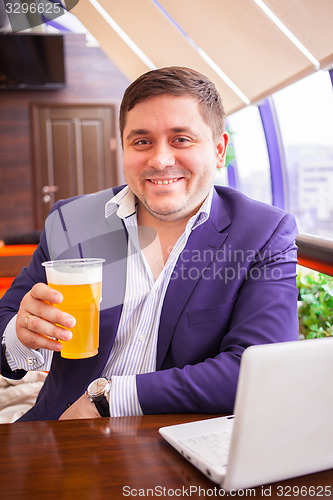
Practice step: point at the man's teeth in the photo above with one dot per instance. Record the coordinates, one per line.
(164, 182)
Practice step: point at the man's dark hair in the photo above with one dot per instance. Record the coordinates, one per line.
(177, 81)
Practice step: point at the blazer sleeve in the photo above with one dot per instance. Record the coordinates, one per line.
(264, 311)
(10, 302)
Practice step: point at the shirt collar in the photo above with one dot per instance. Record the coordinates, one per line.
(124, 203)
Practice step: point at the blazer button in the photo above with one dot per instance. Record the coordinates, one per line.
(68, 405)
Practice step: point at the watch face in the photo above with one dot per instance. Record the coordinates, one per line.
(97, 386)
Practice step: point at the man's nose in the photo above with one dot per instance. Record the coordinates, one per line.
(161, 156)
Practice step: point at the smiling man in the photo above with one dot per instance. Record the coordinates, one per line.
(193, 274)
(170, 164)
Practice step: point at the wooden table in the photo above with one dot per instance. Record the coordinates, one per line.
(116, 458)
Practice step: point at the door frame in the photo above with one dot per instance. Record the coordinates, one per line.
(36, 167)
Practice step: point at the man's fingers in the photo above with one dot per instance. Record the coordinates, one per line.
(42, 291)
(39, 323)
(38, 302)
(41, 326)
(47, 311)
(34, 340)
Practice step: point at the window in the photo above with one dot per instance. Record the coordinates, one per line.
(305, 115)
(251, 157)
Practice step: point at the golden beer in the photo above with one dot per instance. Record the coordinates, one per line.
(80, 283)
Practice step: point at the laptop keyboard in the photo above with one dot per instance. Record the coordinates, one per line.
(213, 448)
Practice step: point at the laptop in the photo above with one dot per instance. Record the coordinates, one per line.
(282, 426)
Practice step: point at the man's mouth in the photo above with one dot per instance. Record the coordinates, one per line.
(161, 182)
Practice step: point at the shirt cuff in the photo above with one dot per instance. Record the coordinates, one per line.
(20, 357)
(124, 399)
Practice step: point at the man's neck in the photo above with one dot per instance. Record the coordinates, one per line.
(168, 230)
(167, 234)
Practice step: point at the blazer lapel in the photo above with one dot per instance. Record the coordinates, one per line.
(199, 252)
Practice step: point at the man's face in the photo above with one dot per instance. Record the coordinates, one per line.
(170, 156)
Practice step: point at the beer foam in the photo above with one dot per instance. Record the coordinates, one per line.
(74, 276)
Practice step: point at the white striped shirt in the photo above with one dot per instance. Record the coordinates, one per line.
(135, 346)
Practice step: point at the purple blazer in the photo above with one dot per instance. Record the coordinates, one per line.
(233, 285)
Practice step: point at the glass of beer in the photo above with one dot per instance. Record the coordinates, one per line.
(80, 283)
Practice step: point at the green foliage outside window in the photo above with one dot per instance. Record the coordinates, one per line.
(315, 311)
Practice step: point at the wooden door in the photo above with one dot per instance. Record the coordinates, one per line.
(74, 152)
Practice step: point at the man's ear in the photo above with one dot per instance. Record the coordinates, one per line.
(221, 149)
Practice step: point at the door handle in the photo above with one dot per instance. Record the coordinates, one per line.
(49, 189)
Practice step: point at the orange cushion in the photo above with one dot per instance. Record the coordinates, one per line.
(17, 250)
(5, 284)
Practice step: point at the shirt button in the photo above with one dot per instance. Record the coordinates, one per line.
(141, 338)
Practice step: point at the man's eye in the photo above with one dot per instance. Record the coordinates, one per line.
(182, 139)
(141, 142)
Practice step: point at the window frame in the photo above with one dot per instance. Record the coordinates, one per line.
(313, 251)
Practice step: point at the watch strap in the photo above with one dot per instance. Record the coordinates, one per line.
(97, 393)
(102, 405)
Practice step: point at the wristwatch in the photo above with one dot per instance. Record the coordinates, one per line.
(97, 392)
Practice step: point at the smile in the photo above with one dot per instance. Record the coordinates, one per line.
(165, 181)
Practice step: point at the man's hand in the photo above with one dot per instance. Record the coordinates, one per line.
(37, 318)
(82, 408)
